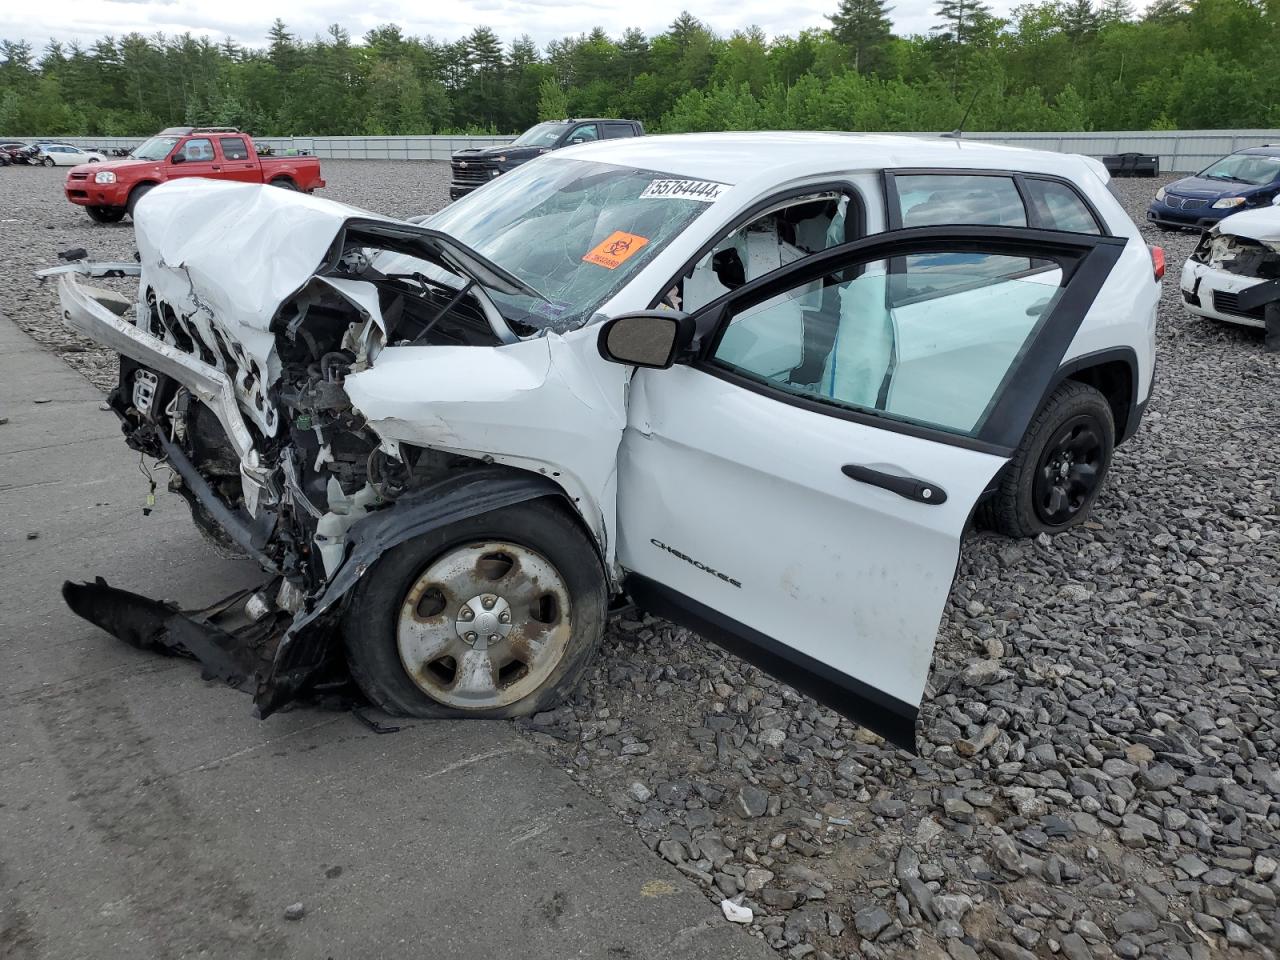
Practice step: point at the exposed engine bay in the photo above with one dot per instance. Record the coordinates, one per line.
(1240, 255)
(241, 391)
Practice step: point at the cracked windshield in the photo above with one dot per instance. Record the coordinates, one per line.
(574, 231)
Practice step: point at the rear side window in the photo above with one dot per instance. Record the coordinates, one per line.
(926, 200)
(933, 199)
(615, 130)
(1058, 207)
(233, 148)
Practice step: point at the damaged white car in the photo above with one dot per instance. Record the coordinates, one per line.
(1234, 272)
(756, 383)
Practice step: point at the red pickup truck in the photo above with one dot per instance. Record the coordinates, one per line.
(110, 189)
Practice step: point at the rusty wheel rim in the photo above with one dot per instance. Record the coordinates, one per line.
(484, 625)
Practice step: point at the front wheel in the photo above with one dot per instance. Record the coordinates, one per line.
(140, 191)
(105, 214)
(1058, 470)
(47, 161)
(493, 616)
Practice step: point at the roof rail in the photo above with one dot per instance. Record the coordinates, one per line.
(215, 130)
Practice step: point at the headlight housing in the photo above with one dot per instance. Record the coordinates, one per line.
(104, 176)
(1226, 203)
(501, 159)
(1161, 193)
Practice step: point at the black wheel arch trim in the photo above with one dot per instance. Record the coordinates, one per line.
(306, 646)
(1126, 355)
(893, 719)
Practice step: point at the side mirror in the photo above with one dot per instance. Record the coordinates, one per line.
(648, 338)
(178, 158)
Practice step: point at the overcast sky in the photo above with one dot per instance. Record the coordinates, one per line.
(247, 22)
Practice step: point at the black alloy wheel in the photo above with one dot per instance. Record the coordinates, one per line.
(1069, 470)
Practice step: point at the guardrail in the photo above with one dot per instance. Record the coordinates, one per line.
(1180, 151)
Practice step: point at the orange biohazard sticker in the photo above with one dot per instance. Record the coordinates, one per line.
(615, 248)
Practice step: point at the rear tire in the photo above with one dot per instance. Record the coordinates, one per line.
(105, 214)
(284, 183)
(1058, 470)
(138, 192)
(407, 629)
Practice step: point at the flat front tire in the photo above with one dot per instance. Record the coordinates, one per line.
(494, 616)
(1058, 470)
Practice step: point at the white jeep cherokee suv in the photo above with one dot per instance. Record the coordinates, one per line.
(757, 382)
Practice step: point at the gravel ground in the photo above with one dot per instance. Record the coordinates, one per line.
(1100, 772)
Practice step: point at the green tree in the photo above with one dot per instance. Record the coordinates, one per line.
(552, 102)
(864, 27)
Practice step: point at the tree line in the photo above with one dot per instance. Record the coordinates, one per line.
(1055, 65)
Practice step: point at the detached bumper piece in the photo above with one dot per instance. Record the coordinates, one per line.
(1132, 165)
(1265, 297)
(228, 644)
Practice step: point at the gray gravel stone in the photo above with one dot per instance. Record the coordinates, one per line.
(1135, 921)
(870, 921)
(751, 801)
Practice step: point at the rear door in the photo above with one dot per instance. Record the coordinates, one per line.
(614, 131)
(237, 162)
(814, 527)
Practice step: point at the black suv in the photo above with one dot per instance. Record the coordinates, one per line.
(472, 168)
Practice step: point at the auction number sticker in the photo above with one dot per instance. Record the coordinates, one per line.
(611, 252)
(703, 190)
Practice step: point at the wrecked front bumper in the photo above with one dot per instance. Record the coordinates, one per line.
(1212, 293)
(273, 654)
(86, 311)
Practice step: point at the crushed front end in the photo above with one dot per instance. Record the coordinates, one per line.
(1234, 273)
(233, 364)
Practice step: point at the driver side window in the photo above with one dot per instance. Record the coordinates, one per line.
(197, 151)
(587, 133)
(792, 229)
(849, 339)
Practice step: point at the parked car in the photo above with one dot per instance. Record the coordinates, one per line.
(65, 155)
(476, 166)
(1234, 272)
(111, 189)
(758, 383)
(19, 152)
(1244, 180)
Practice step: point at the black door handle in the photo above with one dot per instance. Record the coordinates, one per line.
(921, 491)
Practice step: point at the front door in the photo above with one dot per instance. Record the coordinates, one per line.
(798, 491)
(198, 159)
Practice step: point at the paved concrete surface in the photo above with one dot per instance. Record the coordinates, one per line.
(145, 814)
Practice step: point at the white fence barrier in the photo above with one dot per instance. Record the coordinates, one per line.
(1180, 151)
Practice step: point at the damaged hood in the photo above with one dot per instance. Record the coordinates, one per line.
(1262, 225)
(240, 249)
